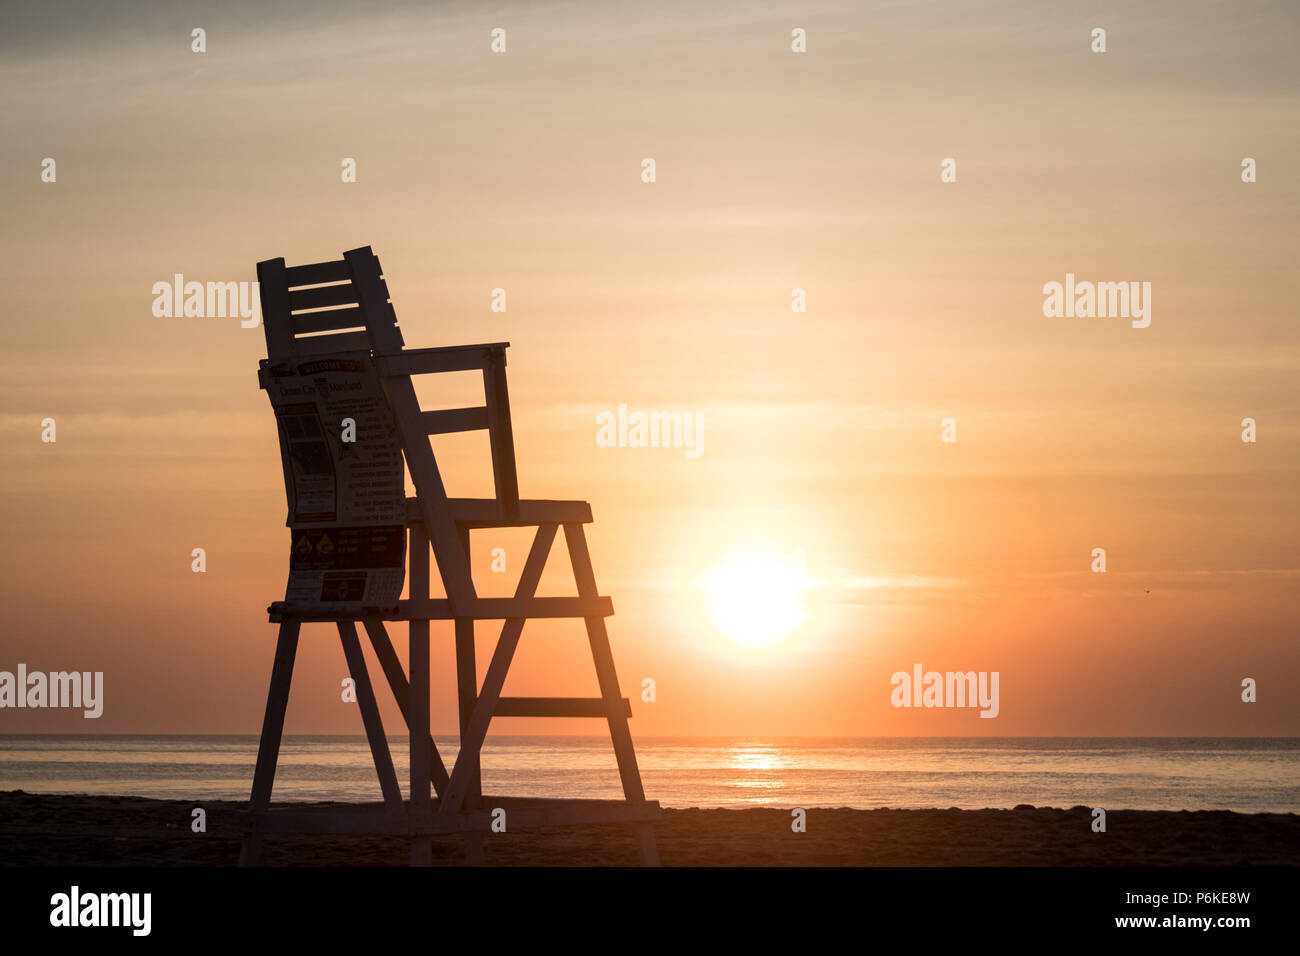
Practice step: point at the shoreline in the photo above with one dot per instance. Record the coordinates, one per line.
(93, 830)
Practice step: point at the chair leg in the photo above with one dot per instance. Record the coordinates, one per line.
(370, 717)
(422, 751)
(607, 676)
(467, 697)
(402, 693)
(620, 734)
(645, 836)
(467, 694)
(462, 772)
(268, 749)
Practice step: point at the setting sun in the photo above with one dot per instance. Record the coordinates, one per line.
(756, 597)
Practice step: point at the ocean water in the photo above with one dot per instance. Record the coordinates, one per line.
(1249, 775)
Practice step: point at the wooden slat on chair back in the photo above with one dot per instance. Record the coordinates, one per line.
(314, 309)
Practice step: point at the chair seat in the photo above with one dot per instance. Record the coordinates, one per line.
(488, 513)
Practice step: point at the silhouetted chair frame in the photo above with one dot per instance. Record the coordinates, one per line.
(361, 320)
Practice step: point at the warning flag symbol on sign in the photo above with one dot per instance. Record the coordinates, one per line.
(324, 545)
(303, 546)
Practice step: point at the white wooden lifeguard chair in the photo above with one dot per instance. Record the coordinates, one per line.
(335, 355)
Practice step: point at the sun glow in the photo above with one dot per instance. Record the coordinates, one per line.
(756, 597)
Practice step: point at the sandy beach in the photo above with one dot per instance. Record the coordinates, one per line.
(59, 830)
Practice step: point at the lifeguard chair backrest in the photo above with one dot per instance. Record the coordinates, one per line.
(334, 318)
(326, 307)
(339, 444)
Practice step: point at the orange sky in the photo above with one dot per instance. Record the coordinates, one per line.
(822, 429)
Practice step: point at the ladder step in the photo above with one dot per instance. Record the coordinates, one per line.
(444, 421)
(488, 609)
(556, 707)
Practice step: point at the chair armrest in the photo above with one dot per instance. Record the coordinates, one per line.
(453, 358)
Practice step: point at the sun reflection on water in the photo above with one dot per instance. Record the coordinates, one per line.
(759, 769)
